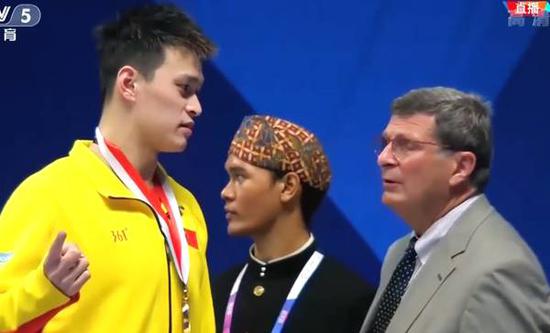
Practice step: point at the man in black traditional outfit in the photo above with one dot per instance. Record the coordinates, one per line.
(278, 176)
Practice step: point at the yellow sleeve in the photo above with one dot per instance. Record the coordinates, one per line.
(27, 228)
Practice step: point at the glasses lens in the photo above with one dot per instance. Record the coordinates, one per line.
(400, 146)
(380, 144)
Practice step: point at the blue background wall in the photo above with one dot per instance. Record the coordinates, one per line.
(333, 68)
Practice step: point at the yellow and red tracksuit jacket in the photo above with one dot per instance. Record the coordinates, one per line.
(134, 286)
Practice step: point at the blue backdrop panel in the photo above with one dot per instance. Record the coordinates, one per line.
(521, 184)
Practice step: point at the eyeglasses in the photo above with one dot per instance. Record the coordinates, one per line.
(402, 146)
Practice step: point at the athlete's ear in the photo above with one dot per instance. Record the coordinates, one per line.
(126, 83)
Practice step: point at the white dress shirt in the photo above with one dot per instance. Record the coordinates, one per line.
(426, 243)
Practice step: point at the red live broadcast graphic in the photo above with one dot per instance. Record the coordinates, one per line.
(527, 8)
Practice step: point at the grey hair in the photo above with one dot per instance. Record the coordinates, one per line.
(463, 123)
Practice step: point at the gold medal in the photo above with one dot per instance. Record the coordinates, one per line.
(259, 290)
(185, 311)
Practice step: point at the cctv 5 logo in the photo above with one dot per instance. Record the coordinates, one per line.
(24, 15)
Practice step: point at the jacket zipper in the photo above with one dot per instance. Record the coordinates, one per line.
(167, 258)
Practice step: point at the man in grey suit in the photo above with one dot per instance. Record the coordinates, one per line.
(464, 268)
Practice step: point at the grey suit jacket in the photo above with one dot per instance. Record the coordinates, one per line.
(481, 277)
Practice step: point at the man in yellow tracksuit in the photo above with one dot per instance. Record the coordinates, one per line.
(103, 240)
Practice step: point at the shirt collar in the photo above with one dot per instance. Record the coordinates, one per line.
(300, 250)
(283, 267)
(439, 229)
(105, 181)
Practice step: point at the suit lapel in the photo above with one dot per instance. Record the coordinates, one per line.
(424, 286)
(440, 265)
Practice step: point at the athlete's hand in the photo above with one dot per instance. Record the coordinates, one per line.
(66, 267)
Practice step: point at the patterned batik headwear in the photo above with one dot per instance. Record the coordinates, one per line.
(279, 145)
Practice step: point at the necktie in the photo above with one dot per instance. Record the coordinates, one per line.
(394, 290)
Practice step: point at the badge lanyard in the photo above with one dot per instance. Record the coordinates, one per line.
(306, 272)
